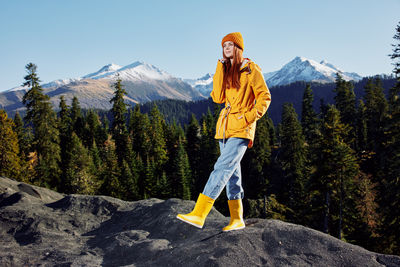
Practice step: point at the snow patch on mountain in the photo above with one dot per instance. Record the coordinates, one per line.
(203, 84)
(303, 69)
(106, 70)
(138, 70)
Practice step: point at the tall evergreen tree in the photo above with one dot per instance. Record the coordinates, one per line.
(376, 115)
(332, 183)
(148, 183)
(308, 115)
(77, 118)
(119, 129)
(110, 173)
(158, 150)
(255, 162)
(46, 137)
(139, 132)
(181, 175)
(93, 131)
(292, 157)
(66, 129)
(361, 128)
(79, 171)
(23, 141)
(209, 151)
(129, 180)
(345, 101)
(376, 111)
(391, 197)
(173, 138)
(193, 148)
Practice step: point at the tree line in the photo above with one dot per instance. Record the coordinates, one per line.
(336, 170)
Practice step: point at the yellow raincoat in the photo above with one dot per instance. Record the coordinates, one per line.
(243, 106)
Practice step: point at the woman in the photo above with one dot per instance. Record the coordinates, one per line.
(239, 83)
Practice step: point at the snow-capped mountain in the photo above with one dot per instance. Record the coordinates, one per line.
(303, 69)
(145, 82)
(203, 84)
(142, 82)
(136, 71)
(299, 69)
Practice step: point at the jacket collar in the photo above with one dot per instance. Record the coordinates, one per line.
(244, 63)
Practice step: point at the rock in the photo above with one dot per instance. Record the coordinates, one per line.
(42, 227)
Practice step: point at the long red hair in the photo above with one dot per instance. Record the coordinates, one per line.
(232, 71)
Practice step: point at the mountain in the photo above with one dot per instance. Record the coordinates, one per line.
(143, 82)
(303, 69)
(42, 227)
(299, 69)
(203, 84)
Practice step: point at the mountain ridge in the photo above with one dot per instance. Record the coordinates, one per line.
(144, 82)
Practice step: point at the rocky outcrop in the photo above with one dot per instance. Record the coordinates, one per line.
(40, 227)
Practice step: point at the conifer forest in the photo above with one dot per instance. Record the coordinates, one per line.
(336, 170)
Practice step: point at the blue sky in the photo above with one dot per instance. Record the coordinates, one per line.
(68, 39)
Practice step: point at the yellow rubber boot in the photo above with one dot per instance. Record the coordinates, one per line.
(197, 217)
(236, 211)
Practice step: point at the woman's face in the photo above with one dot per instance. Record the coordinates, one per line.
(228, 49)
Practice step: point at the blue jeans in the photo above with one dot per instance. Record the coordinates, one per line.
(227, 170)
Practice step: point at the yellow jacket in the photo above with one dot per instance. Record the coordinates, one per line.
(243, 107)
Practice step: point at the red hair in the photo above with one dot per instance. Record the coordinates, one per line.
(232, 71)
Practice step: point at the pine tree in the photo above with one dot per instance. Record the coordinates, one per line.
(10, 164)
(129, 181)
(376, 111)
(139, 132)
(332, 183)
(95, 154)
(308, 115)
(148, 185)
(164, 187)
(119, 129)
(94, 130)
(361, 129)
(23, 143)
(172, 139)
(78, 122)
(391, 196)
(65, 128)
(110, 173)
(158, 150)
(102, 133)
(181, 175)
(256, 161)
(45, 133)
(209, 151)
(79, 175)
(193, 148)
(292, 157)
(345, 101)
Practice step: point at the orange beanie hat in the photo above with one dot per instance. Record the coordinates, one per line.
(235, 37)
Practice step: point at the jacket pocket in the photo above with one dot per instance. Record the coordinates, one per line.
(237, 122)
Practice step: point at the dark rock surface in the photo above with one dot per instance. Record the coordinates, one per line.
(39, 227)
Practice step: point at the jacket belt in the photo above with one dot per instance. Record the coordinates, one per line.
(227, 110)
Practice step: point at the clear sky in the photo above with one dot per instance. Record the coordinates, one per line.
(69, 39)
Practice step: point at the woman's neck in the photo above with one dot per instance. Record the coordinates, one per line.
(231, 59)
